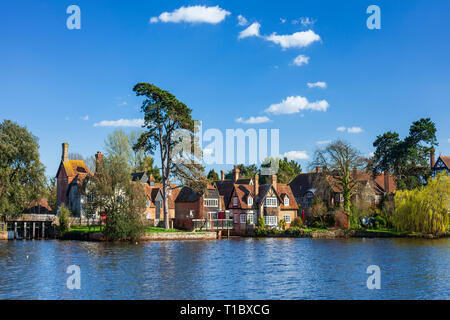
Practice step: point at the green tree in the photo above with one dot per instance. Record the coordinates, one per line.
(22, 176)
(288, 170)
(424, 209)
(118, 147)
(50, 193)
(212, 175)
(244, 171)
(148, 166)
(407, 159)
(338, 160)
(169, 126)
(112, 192)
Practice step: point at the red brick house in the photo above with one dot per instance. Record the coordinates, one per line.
(194, 210)
(247, 201)
(70, 175)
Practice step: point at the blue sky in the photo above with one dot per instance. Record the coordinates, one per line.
(59, 83)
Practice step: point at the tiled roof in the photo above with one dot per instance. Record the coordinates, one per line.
(41, 203)
(243, 191)
(446, 161)
(284, 190)
(225, 188)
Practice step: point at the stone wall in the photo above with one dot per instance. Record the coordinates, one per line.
(179, 236)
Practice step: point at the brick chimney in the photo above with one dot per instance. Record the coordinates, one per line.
(256, 185)
(222, 175)
(273, 180)
(432, 158)
(386, 183)
(98, 159)
(236, 173)
(65, 152)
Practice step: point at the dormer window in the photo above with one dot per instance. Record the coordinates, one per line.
(249, 201)
(286, 201)
(235, 201)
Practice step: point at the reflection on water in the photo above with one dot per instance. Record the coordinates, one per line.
(227, 269)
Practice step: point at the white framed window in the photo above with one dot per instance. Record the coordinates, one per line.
(270, 202)
(250, 218)
(235, 218)
(211, 202)
(368, 198)
(148, 203)
(191, 213)
(286, 201)
(271, 221)
(287, 218)
(249, 201)
(243, 218)
(235, 201)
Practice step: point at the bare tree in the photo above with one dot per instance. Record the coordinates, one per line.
(337, 161)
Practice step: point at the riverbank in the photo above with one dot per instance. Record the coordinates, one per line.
(344, 233)
(148, 236)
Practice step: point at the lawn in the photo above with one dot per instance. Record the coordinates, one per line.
(86, 229)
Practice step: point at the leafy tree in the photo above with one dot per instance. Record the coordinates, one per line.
(166, 119)
(112, 192)
(407, 159)
(117, 146)
(244, 171)
(288, 170)
(338, 160)
(22, 176)
(50, 193)
(148, 166)
(424, 209)
(212, 175)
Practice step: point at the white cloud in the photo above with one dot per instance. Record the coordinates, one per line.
(305, 21)
(323, 142)
(296, 40)
(350, 129)
(122, 104)
(448, 140)
(318, 84)
(251, 31)
(242, 21)
(85, 118)
(283, 20)
(208, 152)
(120, 123)
(193, 14)
(371, 154)
(296, 104)
(301, 60)
(354, 130)
(253, 120)
(296, 155)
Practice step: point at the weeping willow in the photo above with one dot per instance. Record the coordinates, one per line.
(425, 209)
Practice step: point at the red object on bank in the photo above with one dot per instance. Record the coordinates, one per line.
(303, 215)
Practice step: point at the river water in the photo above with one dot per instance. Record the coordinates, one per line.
(243, 268)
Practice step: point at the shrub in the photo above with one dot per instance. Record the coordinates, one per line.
(297, 223)
(282, 224)
(63, 216)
